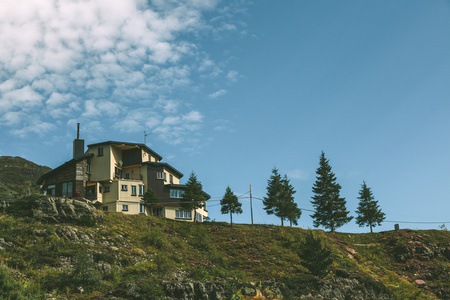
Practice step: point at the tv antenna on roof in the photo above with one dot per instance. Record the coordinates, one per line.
(145, 136)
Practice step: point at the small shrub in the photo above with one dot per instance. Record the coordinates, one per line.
(315, 258)
(87, 220)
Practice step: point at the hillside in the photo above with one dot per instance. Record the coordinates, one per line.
(141, 257)
(18, 176)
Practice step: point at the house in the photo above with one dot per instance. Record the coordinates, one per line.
(115, 175)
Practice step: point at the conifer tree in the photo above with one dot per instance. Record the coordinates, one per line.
(330, 208)
(280, 200)
(314, 257)
(193, 197)
(230, 204)
(150, 198)
(369, 213)
(293, 213)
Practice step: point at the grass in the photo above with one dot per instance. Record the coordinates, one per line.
(147, 250)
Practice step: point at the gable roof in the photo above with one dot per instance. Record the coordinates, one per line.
(67, 163)
(166, 166)
(159, 157)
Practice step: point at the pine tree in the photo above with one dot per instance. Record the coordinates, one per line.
(193, 197)
(369, 213)
(314, 257)
(291, 210)
(330, 208)
(150, 199)
(280, 198)
(273, 192)
(230, 204)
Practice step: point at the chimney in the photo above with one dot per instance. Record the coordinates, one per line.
(78, 145)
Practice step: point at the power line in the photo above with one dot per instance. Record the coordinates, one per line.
(416, 222)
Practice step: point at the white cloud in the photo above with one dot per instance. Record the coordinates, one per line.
(233, 76)
(298, 174)
(217, 94)
(84, 60)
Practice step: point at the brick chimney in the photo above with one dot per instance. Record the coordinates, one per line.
(78, 145)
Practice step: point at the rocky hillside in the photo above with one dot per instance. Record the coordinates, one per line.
(18, 176)
(64, 249)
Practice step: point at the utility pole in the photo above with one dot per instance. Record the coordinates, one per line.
(251, 204)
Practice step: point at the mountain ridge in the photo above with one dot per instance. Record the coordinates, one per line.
(18, 176)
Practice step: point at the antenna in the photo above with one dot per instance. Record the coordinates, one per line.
(145, 137)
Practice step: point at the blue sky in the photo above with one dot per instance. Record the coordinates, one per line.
(231, 89)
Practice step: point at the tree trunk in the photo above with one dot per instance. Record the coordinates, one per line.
(282, 224)
(371, 231)
(231, 219)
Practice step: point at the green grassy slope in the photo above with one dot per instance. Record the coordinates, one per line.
(94, 262)
(18, 176)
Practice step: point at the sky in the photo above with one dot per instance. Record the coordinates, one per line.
(231, 89)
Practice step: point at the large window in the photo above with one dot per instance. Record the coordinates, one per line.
(133, 190)
(67, 190)
(183, 214)
(141, 190)
(125, 207)
(100, 151)
(124, 187)
(175, 193)
(141, 208)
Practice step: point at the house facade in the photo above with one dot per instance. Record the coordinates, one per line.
(114, 176)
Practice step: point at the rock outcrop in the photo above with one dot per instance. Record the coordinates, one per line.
(53, 210)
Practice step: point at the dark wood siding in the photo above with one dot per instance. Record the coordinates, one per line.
(157, 185)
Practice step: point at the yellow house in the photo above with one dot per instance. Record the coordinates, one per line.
(115, 175)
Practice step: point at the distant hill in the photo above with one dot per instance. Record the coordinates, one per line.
(18, 176)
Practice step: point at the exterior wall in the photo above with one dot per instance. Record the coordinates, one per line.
(134, 172)
(101, 165)
(133, 207)
(116, 157)
(176, 180)
(170, 213)
(113, 194)
(126, 196)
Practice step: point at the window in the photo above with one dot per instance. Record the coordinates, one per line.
(100, 151)
(51, 190)
(158, 212)
(141, 190)
(127, 175)
(141, 208)
(105, 208)
(125, 207)
(198, 217)
(171, 178)
(161, 175)
(133, 190)
(106, 189)
(118, 172)
(88, 169)
(100, 189)
(124, 187)
(183, 214)
(174, 193)
(67, 189)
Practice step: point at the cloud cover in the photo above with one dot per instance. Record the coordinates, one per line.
(94, 61)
